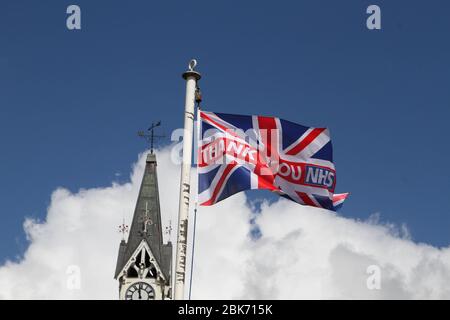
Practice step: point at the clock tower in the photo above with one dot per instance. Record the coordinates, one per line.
(144, 262)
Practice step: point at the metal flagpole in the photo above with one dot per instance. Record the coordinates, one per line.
(198, 99)
(191, 78)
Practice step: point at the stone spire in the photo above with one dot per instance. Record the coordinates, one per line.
(146, 226)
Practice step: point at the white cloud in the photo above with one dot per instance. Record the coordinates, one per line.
(303, 253)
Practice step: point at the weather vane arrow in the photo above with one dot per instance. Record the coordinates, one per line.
(150, 136)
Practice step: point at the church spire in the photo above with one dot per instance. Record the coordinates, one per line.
(144, 259)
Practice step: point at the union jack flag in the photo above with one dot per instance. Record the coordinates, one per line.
(238, 152)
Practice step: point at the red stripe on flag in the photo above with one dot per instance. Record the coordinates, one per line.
(306, 200)
(306, 141)
(218, 125)
(224, 176)
(268, 124)
(266, 182)
(340, 196)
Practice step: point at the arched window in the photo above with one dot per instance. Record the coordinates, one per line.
(142, 266)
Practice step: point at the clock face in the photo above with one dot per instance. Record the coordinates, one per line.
(140, 291)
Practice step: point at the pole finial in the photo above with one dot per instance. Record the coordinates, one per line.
(191, 72)
(192, 64)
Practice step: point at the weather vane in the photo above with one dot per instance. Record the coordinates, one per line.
(150, 137)
(123, 229)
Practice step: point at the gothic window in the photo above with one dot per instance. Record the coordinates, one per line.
(142, 267)
(152, 272)
(132, 273)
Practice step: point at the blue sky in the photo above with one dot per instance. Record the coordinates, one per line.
(71, 102)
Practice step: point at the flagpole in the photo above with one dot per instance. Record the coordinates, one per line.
(191, 78)
(198, 99)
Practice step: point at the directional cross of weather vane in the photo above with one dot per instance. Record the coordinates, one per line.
(150, 136)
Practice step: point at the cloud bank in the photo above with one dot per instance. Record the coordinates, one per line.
(303, 253)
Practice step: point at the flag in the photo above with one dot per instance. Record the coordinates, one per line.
(239, 152)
